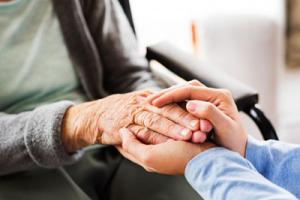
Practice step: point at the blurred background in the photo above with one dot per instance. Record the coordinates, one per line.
(255, 41)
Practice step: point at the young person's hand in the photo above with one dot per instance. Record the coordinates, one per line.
(215, 105)
(170, 157)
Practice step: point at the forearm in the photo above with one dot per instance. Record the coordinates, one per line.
(221, 174)
(279, 162)
(32, 139)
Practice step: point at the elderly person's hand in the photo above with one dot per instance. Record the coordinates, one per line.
(214, 105)
(170, 157)
(99, 121)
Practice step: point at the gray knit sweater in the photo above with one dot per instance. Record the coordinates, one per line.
(104, 53)
(32, 139)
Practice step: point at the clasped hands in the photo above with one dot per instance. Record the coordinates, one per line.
(155, 132)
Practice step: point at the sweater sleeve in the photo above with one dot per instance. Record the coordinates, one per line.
(222, 174)
(32, 139)
(125, 67)
(277, 161)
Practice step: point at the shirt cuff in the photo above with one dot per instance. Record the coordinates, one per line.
(43, 136)
(255, 153)
(201, 160)
(203, 170)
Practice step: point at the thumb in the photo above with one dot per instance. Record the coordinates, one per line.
(126, 135)
(131, 144)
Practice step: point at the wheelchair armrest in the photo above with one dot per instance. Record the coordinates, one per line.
(189, 67)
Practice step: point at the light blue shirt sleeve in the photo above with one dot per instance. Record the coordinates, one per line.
(277, 161)
(222, 174)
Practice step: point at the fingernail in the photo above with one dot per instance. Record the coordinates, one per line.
(191, 106)
(185, 132)
(194, 123)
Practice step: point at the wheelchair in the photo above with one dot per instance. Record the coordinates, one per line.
(176, 66)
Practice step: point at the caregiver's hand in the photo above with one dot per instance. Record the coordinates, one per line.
(215, 105)
(170, 157)
(99, 121)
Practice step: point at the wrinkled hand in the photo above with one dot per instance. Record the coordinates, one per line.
(170, 157)
(99, 121)
(214, 105)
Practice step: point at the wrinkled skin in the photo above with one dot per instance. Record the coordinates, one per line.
(171, 157)
(99, 121)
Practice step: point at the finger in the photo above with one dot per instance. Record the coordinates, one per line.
(131, 145)
(196, 83)
(205, 126)
(146, 135)
(199, 137)
(186, 93)
(178, 115)
(209, 111)
(152, 97)
(162, 125)
(134, 150)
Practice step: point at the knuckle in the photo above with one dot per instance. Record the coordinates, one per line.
(190, 87)
(175, 111)
(146, 135)
(132, 98)
(136, 98)
(151, 121)
(140, 118)
(154, 138)
(142, 132)
(146, 92)
(194, 82)
(225, 93)
(171, 128)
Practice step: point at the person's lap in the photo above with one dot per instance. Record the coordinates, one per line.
(133, 182)
(101, 174)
